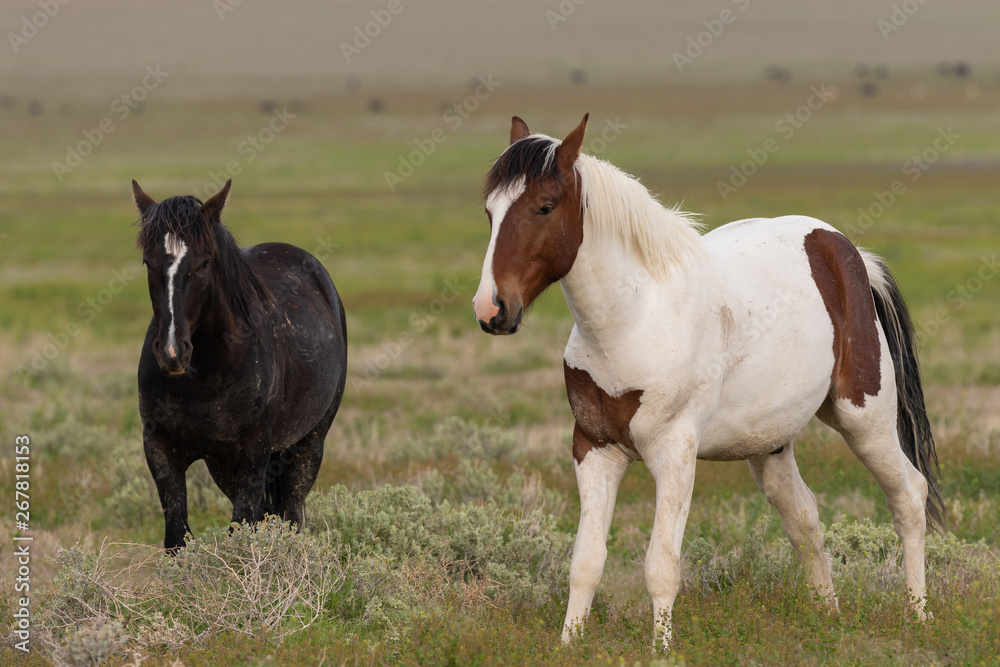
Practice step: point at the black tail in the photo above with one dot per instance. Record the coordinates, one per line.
(914, 429)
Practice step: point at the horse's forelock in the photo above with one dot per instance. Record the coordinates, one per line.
(179, 216)
(531, 159)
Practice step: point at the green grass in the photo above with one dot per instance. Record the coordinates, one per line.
(393, 255)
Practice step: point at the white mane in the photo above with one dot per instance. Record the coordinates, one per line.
(617, 206)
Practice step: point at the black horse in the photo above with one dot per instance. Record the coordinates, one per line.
(243, 365)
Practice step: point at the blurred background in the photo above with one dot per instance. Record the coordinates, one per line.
(234, 47)
(361, 131)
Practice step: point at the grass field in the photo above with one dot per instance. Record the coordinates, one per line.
(429, 394)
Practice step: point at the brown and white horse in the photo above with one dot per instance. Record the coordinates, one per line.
(719, 346)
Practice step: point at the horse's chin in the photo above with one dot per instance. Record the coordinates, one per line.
(174, 367)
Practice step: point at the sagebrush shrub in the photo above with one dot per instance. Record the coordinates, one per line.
(520, 557)
(91, 645)
(850, 542)
(864, 555)
(264, 577)
(82, 618)
(455, 437)
(397, 521)
(762, 564)
(373, 558)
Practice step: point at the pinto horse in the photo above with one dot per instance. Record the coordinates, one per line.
(719, 347)
(243, 365)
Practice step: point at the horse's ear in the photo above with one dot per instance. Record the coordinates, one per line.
(518, 129)
(142, 200)
(569, 149)
(212, 209)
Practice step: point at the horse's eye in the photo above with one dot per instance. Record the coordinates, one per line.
(204, 265)
(545, 210)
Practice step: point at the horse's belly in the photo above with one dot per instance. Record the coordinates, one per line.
(736, 442)
(752, 425)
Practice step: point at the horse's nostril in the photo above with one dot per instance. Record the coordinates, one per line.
(502, 312)
(517, 321)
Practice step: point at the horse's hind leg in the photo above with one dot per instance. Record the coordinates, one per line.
(778, 478)
(298, 467)
(870, 432)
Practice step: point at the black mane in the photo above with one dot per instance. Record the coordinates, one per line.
(531, 158)
(182, 216)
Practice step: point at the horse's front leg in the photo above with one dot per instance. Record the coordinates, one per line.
(169, 473)
(671, 461)
(247, 476)
(597, 476)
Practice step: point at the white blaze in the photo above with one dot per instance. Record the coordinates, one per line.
(497, 204)
(176, 248)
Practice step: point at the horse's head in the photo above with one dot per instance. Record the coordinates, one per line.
(536, 223)
(178, 241)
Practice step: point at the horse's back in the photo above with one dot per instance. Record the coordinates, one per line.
(766, 258)
(764, 237)
(283, 263)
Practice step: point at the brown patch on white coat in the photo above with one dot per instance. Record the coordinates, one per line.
(842, 279)
(601, 419)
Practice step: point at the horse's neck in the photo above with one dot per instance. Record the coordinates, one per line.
(610, 293)
(224, 337)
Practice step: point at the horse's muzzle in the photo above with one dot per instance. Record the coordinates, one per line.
(173, 361)
(507, 321)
